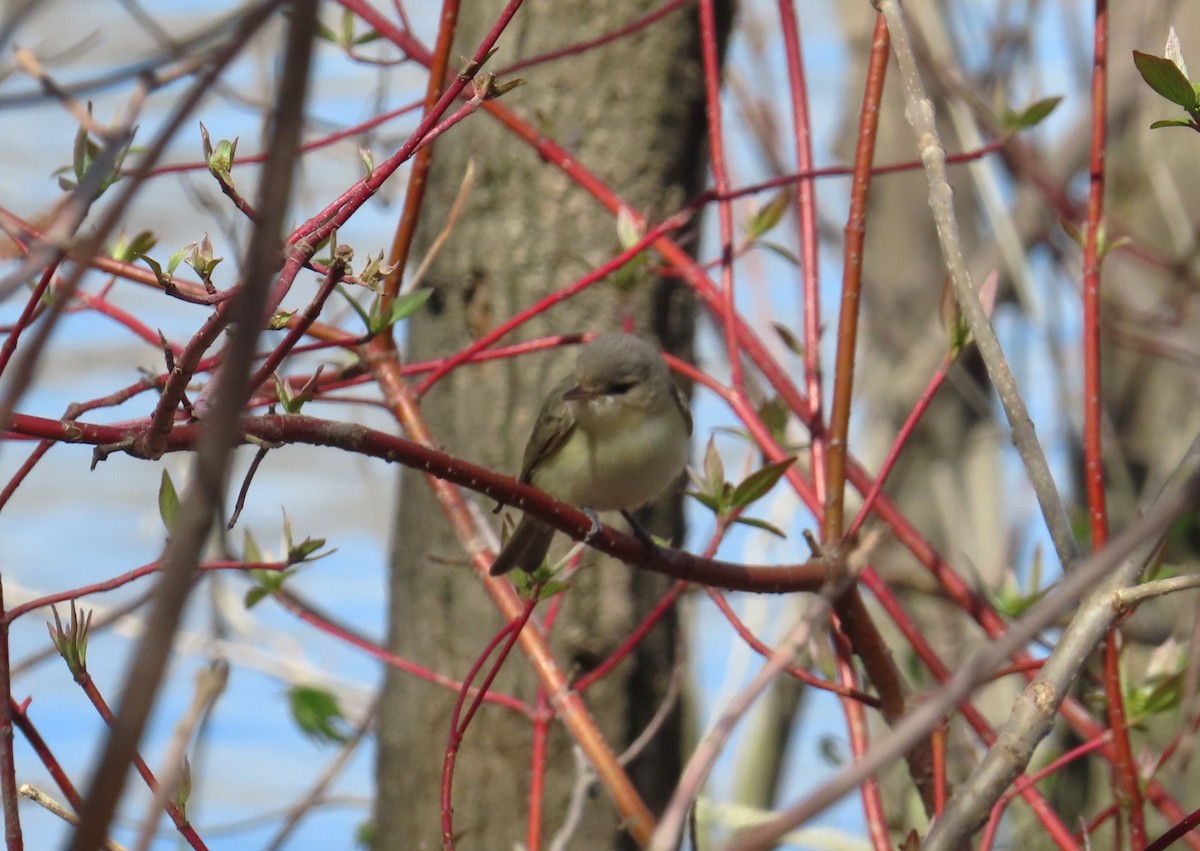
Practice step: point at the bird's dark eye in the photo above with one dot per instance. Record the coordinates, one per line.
(620, 388)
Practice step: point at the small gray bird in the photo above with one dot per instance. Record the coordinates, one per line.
(611, 436)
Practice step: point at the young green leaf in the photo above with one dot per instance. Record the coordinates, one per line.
(250, 548)
(268, 582)
(552, 588)
(776, 248)
(304, 550)
(1175, 122)
(219, 159)
(183, 791)
(164, 280)
(707, 500)
(761, 524)
(201, 259)
(769, 216)
(632, 274)
(1165, 77)
(317, 714)
(125, 250)
(355, 306)
(523, 583)
(628, 229)
(406, 305)
(755, 486)
(71, 640)
(1160, 697)
(774, 415)
(789, 339)
(175, 259)
(1012, 602)
(325, 33)
(168, 500)
(1031, 115)
(284, 394)
(714, 469)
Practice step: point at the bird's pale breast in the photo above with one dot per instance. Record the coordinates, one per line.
(617, 457)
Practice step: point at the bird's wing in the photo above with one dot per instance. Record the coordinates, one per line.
(555, 424)
(681, 401)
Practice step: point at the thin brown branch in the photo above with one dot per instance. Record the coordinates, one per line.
(198, 505)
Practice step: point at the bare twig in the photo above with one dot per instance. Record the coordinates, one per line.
(197, 510)
(210, 683)
(1125, 553)
(919, 112)
(1034, 712)
(670, 828)
(456, 209)
(43, 800)
(1124, 599)
(28, 62)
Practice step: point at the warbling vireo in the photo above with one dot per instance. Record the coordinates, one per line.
(610, 436)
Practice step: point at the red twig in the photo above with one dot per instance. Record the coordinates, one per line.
(27, 314)
(716, 145)
(336, 213)
(902, 437)
(1093, 459)
(1128, 780)
(806, 576)
(126, 578)
(743, 631)
(122, 317)
(333, 277)
(307, 613)
(664, 604)
(420, 54)
(476, 347)
(832, 525)
(177, 817)
(974, 718)
(459, 721)
(537, 770)
(807, 237)
(1185, 825)
(414, 194)
(183, 290)
(856, 727)
(20, 717)
(13, 838)
(24, 470)
(540, 740)
(1021, 784)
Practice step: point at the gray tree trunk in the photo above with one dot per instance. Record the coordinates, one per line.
(632, 111)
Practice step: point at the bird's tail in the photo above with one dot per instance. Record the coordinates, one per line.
(526, 548)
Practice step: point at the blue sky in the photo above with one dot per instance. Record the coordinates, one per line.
(110, 524)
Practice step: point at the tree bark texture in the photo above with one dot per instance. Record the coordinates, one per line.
(633, 112)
